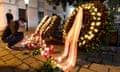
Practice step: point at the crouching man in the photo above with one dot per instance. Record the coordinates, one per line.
(11, 35)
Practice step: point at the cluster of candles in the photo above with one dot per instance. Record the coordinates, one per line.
(35, 42)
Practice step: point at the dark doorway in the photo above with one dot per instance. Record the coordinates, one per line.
(22, 13)
(40, 16)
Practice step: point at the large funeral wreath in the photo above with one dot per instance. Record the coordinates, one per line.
(97, 24)
(96, 27)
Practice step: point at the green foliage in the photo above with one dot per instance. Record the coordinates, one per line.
(36, 52)
(50, 66)
(108, 27)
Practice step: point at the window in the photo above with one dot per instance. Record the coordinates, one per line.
(40, 15)
(22, 13)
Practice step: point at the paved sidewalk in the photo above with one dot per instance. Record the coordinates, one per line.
(17, 61)
(105, 60)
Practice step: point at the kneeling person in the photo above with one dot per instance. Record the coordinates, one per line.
(11, 34)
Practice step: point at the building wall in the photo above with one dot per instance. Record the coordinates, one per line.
(32, 12)
(2, 20)
(33, 17)
(33, 8)
(5, 5)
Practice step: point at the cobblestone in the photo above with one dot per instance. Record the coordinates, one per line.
(118, 50)
(116, 63)
(99, 67)
(116, 58)
(7, 57)
(76, 69)
(83, 63)
(2, 63)
(40, 58)
(29, 60)
(113, 67)
(23, 66)
(85, 70)
(114, 70)
(3, 53)
(1, 49)
(113, 49)
(106, 58)
(21, 56)
(14, 52)
(13, 62)
(94, 59)
(36, 65)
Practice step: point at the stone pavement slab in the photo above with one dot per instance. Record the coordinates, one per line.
(85, 70)
(99, 67)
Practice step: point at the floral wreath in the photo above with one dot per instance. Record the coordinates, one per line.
(97, 23)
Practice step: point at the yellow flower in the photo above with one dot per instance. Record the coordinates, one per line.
(98, 23)
(99, 14)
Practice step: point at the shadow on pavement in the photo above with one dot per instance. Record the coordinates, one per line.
(14, 69)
